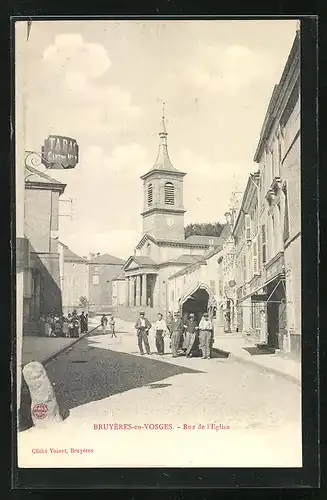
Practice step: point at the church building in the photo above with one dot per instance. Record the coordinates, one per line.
(162, 249)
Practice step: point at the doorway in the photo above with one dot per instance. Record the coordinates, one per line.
(197, 303)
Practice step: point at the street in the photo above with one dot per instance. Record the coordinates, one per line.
(103, 380)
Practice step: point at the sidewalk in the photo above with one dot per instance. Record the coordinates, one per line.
(289, 368)
(43, 349)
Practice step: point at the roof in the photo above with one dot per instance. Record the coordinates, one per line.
(35, 176)
(163, 162)
(188, 243)
(70, 256)
(185, 259)
(107, 259)
(140, 261)
(118, 277)
(204, 240)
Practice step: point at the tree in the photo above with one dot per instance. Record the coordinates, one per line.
(203, 229)
(83, 301)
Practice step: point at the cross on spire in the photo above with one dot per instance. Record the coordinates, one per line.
(163, 110)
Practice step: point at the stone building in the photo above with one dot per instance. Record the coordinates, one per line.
(42, 293)
(267, 230)
(102, 269)
(162, 249)
(74, 279)
(278, 157)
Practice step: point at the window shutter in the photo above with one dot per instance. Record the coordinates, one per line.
(263, 242)
(150, 194)
(247, 221)
(255, 256)
(169, 193)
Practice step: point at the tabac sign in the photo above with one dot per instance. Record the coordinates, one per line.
(60, 152)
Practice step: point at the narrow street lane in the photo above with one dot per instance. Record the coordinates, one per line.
(101, 380)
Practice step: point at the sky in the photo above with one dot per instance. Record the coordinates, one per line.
(103, 83)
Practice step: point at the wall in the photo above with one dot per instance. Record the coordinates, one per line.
(101, 295)
(75, 284)
(38, 218)
(157, 224)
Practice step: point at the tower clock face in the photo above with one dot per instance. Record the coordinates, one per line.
(170, 222)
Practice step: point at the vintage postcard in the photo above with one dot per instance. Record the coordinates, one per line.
(158, 218)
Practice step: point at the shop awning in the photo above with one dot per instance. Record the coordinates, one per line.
(279, 277)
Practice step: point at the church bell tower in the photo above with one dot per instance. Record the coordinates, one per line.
(163, 210)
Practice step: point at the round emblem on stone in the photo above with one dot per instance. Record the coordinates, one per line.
(40, 410)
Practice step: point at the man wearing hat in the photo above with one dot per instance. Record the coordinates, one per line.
(206, 335)
(191, 330)
(177, 332)
(142, 327)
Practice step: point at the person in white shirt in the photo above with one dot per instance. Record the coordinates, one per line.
(160, 327)
(205, 336)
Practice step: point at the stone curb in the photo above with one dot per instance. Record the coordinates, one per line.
(64, 348)
(268, 369)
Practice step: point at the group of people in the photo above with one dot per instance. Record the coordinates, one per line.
(186, 335)
(104, 324)
(58, 325)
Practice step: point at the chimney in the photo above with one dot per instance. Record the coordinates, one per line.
(92, 256)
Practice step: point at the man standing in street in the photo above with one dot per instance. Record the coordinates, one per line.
(206, 336)
(142, 327)
(160, 328)
(112, 326)
(104, 322)
(191, 328)
(177, 331)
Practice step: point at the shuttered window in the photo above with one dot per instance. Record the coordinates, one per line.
(247, 222)
(286, 231)
(169, 193)
(263, 243)
(255, 257)
(150, 194)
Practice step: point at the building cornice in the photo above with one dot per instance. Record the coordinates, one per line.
(162, 173)
(174, 211)
(49, 186)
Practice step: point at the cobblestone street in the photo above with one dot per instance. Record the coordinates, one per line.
(103, 380)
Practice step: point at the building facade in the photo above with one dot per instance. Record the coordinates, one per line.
(278, 157)
(102, 269)
(74, 280)
(42, 292)
(267, 231)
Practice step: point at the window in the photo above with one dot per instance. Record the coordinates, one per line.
(244, 269)
(95, 280)
(247, 221)
(96, 269)
(148, 249)
(211, 243)
(150, 194)
(172, 295)
(286, 231)
(169, 193)
(263, 243)
(272, 163)
(255, 257)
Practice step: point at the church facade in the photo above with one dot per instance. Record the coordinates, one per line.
(162, 250)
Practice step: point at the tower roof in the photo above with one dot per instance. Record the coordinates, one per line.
(163, 162)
